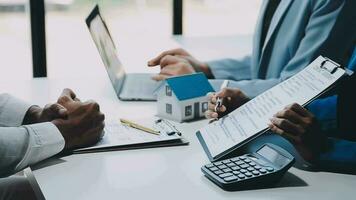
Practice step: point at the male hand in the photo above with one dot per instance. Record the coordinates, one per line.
(301, 128)
(36, 114)
(177, 62)
(69, 100)
(84, 124)
(232, 99)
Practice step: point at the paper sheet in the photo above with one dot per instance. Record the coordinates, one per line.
(117, 135)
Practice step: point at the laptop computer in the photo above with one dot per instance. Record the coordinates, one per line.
(128, 86)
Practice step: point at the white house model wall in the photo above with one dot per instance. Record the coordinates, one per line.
(169, 107)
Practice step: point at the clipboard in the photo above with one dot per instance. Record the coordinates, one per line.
(214, 141)
(120, 137)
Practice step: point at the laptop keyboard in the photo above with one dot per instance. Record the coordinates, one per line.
(139, 85)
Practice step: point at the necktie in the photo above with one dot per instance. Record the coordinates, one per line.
(270, 10)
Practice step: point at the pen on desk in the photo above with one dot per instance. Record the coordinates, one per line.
(139, 127)
(219, 101)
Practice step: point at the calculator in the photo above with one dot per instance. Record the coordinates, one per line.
(254, 170)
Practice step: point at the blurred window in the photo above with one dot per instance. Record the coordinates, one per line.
(139, 27)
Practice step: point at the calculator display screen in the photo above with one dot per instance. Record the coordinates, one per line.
(273, 156)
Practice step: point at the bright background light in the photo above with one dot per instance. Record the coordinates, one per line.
(141, 29)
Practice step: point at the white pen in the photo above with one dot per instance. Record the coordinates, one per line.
(219, 101)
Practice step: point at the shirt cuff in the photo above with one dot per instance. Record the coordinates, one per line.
(12, 110)
(46, 141)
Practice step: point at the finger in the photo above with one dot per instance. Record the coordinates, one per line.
(300, 110)
(213, 100)
(168, 60)
(215, 108)
(186, 57)
(54, 111)
(92, 105)
(69, 92)
(222, 109)
(211, 115)
(170, 70)
(58, 111)
(211, 106)
(156, 61)
(98, 119)
(279, 131)
(287, 126)
(290, 115)
(67, 96)
(210, 95)
(160, 77)
(102, 134)
(93, 136)
(275, 129)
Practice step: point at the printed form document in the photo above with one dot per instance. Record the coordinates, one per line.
(121, 137)
(251, 119)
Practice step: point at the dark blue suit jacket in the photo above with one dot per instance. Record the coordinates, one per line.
(336, 117)
(335, 114)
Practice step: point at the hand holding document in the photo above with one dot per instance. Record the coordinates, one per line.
(251, 119)
(225, 101)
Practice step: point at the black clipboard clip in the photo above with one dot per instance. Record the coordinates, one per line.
(332, 70)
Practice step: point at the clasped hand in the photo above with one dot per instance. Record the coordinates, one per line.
(80, 123)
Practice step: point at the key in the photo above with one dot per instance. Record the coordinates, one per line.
(225, 175)
(214, 168)
(226, 161)
(236, 172)
(250, 169)
(209, 165)
(248, 174)
(255, 173)
(244, 166)
(230, 178)
(227, 170)
(231, 164)
(222, 166)
(218, 172)
(270, 169)
(263, 171)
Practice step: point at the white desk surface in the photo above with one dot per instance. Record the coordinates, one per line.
(160, 173)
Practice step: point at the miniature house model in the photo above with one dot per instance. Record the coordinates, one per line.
(183, 98)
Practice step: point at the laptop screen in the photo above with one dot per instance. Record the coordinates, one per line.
(106, 48)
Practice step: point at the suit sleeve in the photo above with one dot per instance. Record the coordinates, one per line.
(12, 110)
(322, 19)
(231, 69)
(325, 111)
(341, 156)
(346, 108)
(21, 146)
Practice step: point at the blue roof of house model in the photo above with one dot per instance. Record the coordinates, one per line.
(190, 86)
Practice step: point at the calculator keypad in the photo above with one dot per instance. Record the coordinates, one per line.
(238, 168)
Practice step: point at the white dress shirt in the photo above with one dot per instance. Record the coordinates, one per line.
(21, 146)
